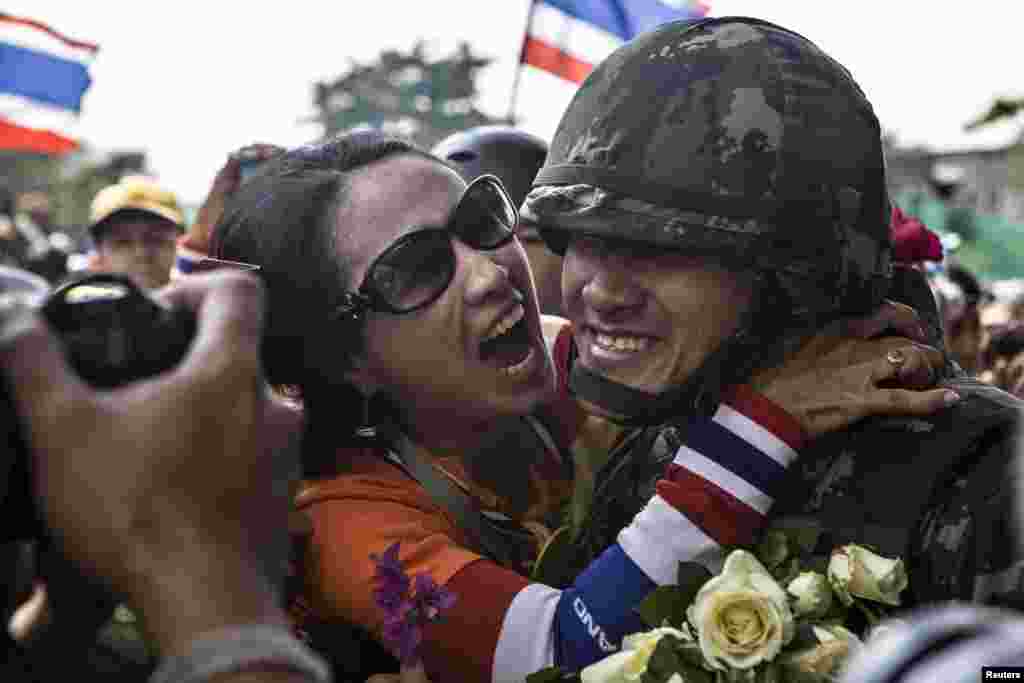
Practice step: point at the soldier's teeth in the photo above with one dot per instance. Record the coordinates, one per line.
(506, 323)
(622, 343)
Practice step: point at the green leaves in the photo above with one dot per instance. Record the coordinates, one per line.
(672, 655)
(553, 674)
(691, 577)
(667, 604)
(788, 537)
(664, 605)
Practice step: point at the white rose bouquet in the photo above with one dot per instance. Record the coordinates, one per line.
(777, 614)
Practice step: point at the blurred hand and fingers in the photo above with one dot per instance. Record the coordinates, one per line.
(180, 501)
(227, 181)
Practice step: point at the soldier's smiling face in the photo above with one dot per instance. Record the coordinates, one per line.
(646, 316)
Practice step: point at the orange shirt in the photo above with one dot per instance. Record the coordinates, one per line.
(375, 504)
(363, 512)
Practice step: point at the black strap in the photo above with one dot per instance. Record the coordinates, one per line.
(634, 408)
(508, 547)
(698, 397)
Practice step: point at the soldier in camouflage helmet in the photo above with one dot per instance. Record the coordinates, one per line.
(718, 191)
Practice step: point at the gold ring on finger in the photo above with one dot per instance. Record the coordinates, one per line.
(896, 358)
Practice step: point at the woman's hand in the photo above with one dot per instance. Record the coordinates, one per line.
(843, 375)
(225, 184)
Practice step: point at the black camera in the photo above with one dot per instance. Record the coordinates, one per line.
(112, 333)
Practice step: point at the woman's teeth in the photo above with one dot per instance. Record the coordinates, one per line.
(621, 343)
(506, 323)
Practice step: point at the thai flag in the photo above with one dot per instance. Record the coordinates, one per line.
(568, 37)
(43, 76)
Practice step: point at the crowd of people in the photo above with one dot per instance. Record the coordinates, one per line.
(685, 316)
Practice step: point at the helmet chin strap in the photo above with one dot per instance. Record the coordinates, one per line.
(697, 397)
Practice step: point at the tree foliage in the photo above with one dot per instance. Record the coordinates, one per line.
(70, 181)
(1002, 108)
(406, 93)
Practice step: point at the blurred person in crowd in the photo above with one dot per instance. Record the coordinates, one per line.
(134, 225)
(12, 242)
(35, 207)
(1001, 311)
(28, 238)
(717, 189)
(438, 415)
(962, 318)
(1016, 308)
(1003, 357)
(1002, 324)
(514, 156)
(196, 538)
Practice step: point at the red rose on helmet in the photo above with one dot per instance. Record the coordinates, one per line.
(912, 241)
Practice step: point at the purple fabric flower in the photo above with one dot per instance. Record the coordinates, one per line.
(405, 614)
(403, 633)
(433, 599)
(392, 581)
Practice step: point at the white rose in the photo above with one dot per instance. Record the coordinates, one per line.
(813, 595)
(742, 616)
(631, 663)
(854, 571)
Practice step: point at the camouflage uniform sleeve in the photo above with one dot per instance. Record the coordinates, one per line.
(969, 546)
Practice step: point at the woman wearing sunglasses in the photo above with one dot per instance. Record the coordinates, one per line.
(401, 307)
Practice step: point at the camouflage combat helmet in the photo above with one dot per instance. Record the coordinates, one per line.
(736, 139)
(509, 153)
(733, 137)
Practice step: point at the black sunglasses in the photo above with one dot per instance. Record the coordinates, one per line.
(418, 267)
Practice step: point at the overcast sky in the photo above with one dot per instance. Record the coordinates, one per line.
(190, 81)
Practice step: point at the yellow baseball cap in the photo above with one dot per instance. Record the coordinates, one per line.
(137, 193)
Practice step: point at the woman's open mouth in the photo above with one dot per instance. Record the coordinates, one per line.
(508, 346)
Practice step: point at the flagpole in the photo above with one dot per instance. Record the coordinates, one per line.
(519, 67)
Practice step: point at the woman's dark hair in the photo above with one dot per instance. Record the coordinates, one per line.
(284, 220)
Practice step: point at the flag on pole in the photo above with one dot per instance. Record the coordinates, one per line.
(568, 37)
(43, 76)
